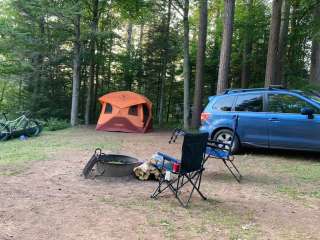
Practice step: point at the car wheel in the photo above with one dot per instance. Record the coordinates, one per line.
(225, 136)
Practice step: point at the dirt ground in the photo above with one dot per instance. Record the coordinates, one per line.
(49, 199)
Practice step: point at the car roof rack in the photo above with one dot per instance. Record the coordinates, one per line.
(239, 90)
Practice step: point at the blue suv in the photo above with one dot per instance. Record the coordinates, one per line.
(268, 118)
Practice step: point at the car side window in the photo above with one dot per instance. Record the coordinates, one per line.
(284, 103)
(249, 103)
(224, 104)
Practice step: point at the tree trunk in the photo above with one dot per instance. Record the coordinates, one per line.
(127, 76)
(186, 66)
(110, 59)
(140, 60)
(202, 39)
(76, 73)
(283, 40)
(245, 74)
(164, 65)
(273, 47)
(94, 25)
(315, 55)
(216, 51)
(37, 61)
(83, 86)
(225, 53)
(96, 87)
(20, 102)
(172, 78)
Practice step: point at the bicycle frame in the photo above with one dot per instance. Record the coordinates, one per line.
(17, 123)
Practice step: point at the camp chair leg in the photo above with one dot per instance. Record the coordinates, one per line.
(237, 176)
(196, 186)
(180, 182)
(159, 190)
(156, 192)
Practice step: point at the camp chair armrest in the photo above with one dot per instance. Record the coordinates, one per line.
(214, 144)
(168, 158)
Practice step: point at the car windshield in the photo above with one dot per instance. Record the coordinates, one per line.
(312, 96)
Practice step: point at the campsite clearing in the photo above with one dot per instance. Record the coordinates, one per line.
(43, 195)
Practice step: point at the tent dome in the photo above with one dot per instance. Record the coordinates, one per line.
(124, 99)
(125, 111)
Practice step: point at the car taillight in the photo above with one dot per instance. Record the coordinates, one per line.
(204, 116)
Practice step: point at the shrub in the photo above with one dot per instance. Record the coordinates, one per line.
(54, 124)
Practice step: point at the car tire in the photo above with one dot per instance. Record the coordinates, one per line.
(225, 135)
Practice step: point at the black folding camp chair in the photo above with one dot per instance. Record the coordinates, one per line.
(191, 168)
(223, 151)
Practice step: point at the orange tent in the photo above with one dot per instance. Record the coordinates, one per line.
(125, 112)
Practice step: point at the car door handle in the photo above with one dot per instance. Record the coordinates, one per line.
(274, 119)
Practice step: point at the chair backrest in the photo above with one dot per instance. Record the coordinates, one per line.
(193, 149)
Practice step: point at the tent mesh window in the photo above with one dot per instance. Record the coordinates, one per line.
(133, 110)
(108, 108)
(145, 114)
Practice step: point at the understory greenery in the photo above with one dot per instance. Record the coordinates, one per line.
(54, 124)
(126, 45)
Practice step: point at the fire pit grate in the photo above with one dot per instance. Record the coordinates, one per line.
(111, 165)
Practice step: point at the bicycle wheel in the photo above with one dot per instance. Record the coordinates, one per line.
(33, 128)
(4, 132)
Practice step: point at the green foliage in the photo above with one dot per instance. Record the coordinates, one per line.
(54, 124)
(37, 39)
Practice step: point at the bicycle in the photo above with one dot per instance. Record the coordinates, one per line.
(22, 125)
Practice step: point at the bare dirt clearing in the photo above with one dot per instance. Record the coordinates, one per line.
(279, 197)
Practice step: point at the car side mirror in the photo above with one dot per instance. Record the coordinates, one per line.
(308, 112)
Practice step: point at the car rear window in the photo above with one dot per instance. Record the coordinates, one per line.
(224, 104)
(249, 103)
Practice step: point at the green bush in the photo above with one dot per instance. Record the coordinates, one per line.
(54, 124)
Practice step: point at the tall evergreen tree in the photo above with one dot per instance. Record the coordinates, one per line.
(76, 71)
(202, 40)
(273, 47)
(247, 42)
(164, 63)
(225, 52)
(186, 65)
(315, 55)
(90, 85)
(283, 41)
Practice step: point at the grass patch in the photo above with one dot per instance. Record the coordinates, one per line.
(315, 194)
(17, 153)
(299, 179)
(296, 193)
(201, 219)
(308, 172)
(289, 191)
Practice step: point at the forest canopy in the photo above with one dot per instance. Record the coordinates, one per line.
(59, 56)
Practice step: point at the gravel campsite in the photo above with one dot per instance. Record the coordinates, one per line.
(43, 193)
